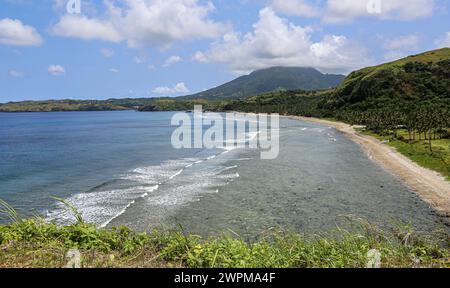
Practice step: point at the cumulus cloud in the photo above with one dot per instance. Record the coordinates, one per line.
(179, 88)
(172, 60)
(15, 33)
(114, 70)
(56, 70)
(74, 26)
(443, 41)
(144, 23)
(275, 41)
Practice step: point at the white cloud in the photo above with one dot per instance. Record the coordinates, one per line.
(444, 41)
(14, 32)
(200, 57)
(295, 8)
(56, 70)
(338, 54)
(347, 10)
(145, 23)
(72, 26)
(114, 70)
(15, 74)
(172, 60)
(107, 53)
(401, 46)
(277, 42)
(179, 88)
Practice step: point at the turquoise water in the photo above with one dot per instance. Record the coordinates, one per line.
(120, 168)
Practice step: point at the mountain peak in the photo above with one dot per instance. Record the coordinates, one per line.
(269, 80)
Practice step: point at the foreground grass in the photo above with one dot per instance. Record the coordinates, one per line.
(34, 243)
(418, 151)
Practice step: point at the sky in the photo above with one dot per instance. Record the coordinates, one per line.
(100, 49)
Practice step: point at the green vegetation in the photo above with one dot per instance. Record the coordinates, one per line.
(59, 105)
(34, 243)
(180, 105)
(270, 80)
(299, 103)
(401, 86)
(142, 104)
(418, 151)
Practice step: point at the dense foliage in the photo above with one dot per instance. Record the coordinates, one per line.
(34, 243)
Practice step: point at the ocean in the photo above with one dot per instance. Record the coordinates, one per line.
(119, 168)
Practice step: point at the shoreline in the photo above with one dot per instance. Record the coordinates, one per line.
(431, 186)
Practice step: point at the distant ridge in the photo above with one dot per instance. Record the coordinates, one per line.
(269, 80)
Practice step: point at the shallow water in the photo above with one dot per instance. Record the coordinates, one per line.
(319, 181)
(119, 168)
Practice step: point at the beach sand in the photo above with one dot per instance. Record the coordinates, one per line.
(431, 186)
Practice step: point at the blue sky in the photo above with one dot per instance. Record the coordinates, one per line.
(152, 48)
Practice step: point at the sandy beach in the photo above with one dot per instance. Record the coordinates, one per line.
(429, 185)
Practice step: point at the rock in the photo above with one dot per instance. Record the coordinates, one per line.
(73, 257)
(374, 259)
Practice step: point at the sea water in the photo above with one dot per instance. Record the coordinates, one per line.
(119, 168)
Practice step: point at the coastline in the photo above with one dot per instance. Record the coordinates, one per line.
(431, 186)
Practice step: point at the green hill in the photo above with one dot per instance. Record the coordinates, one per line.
(268, 80)
(408, 81)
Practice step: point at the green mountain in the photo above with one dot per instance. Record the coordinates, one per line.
(408, 81)
(404, 85)
(268, 80)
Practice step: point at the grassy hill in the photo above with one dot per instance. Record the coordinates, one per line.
(406, 82)
(269, 80)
